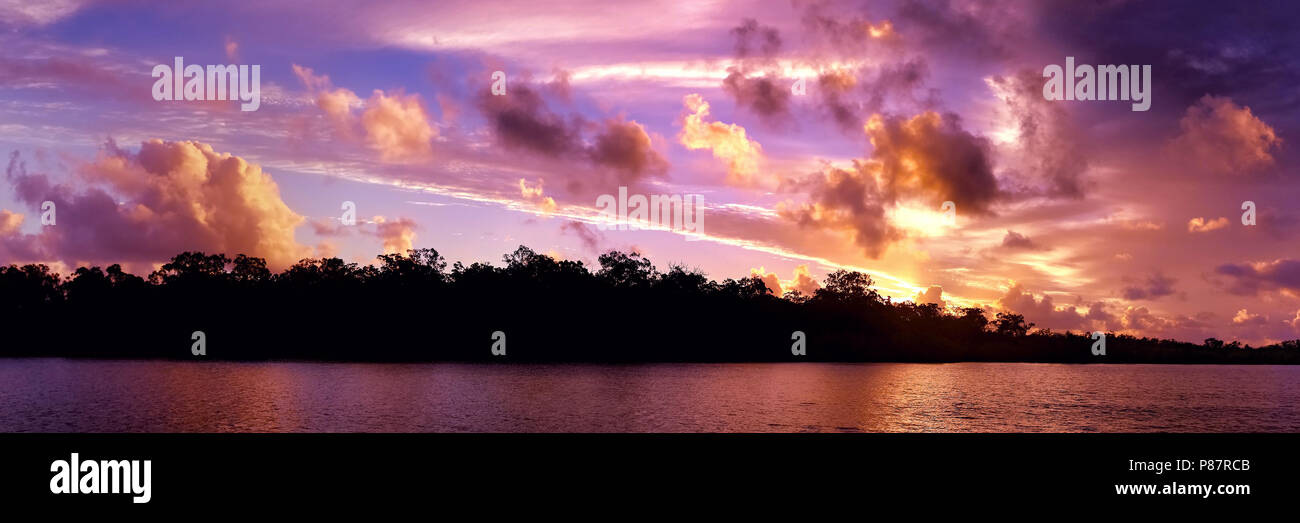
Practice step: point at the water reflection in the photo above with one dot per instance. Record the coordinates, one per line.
(155, 396)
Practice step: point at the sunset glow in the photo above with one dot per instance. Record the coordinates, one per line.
(820, 136)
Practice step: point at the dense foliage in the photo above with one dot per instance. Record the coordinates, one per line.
(412, 307)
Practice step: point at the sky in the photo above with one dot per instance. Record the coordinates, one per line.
(818, 135)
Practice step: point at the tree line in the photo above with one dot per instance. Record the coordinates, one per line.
(413, 307)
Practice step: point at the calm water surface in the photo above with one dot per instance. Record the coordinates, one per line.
(56, 395)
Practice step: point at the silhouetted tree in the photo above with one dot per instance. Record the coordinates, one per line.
(848, 287)
(625, 269)
(1011, 324)
(410, 307)
(191, 267)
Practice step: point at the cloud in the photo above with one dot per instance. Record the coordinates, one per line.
(770, 279)
(835, 86)
(45, 12)
(1046, 314)
(765, 95)
(754, 40)
(336, 103)
(933, 294)
(1041, 311)
(589, 236)
(927, 157)
(847, 94)
(395, 125)
(728, 142)
(803, 281)
(397, 236)
(1199, 224)
(232, 50)
(1254, 278)
(848, 35)
(80, 74)
(1042, 147)
(9, 222)
(989, 29)
(862, 65)
(1141, 319)
(1155, 286)
(846, 199)
(167, 198)
(1244, 317)
(533, 194)
(1015, 240)
(1221, 137)
(521, 120)
(755, 81)
(621, 151)
(932, 158)
(627, 148)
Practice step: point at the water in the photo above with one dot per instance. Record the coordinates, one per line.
(56, 395)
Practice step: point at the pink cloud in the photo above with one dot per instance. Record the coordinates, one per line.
(1221, 137)
(167, 198)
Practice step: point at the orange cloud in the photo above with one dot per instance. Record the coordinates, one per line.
(398, 236)
(803, 281)
(770, 279)
(534, 194)
(336, 103)
(1199, 224)
(728, 142)
(395, 125)
(167, 198)
(1244, 317)
(931, 157)
(934, 295)
(9, 222)
(884, 29)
